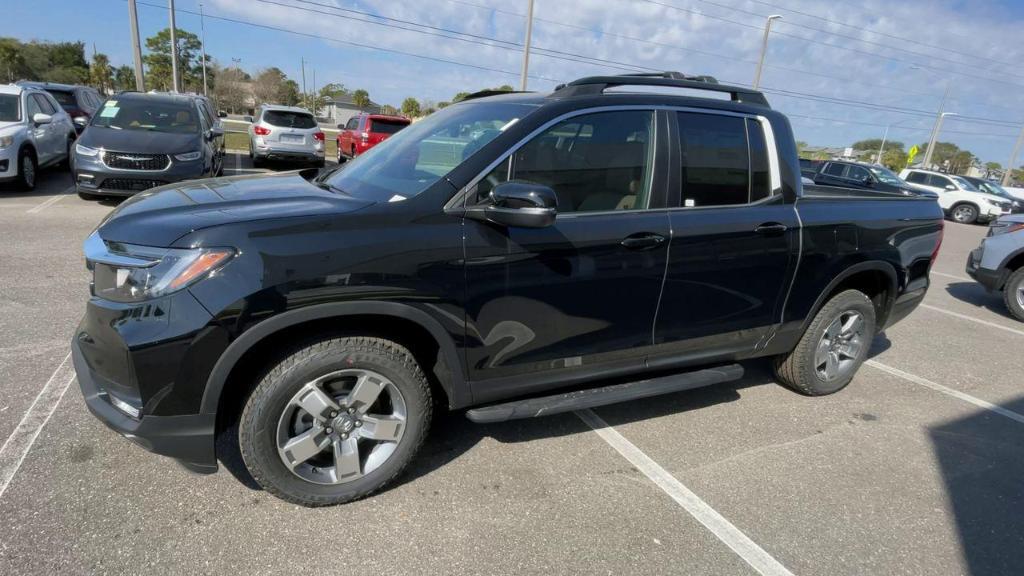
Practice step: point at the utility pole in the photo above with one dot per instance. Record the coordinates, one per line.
(140, 84)
(202, 31)
(305, 95)
(935, 128)
(174, 48)
(764, 49)
(313, 93)
(526, 45)
(935, 138)
(1013, 158)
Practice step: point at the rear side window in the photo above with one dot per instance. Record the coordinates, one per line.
(65, 98)
(917, 177)
(286, 119)
(835, 169)
(724, 160)
(939, 181)
(381, 126)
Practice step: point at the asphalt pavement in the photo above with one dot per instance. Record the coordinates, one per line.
(915, 468)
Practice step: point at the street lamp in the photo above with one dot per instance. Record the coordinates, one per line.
(885, 136)
(935, 138)
(764, 49)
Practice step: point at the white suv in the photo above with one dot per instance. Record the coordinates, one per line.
(34, 132)
(285, 133)
(961, 200)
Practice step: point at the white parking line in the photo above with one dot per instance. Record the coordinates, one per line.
(953, 276)
(948, 391)
(972, 319)
(51, 201)
(17, 445)
(729, 534)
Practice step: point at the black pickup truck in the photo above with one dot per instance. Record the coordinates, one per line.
(517, 255)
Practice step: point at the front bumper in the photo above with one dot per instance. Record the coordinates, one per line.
(94, 177)
(8, 163)
(992, 280)
(188, 439)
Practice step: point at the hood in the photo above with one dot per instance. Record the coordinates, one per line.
(5, 125)
(160, 216)
(138, 141)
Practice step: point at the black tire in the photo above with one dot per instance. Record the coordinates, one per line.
(797, 370)
(24, 182)
(257, 162)
(68, 163)
(1013, 294)
(258, 427)
(964, 213)
(341, 157)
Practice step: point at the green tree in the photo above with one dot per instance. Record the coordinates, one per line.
(231, 89)
(960, 162)
(101, 75)
(124, 78)
(460, 97)
(158, 61)
(443, 104)
(12, 61)
(333, 90)
(944, 152)
(894, 159)
(990, 166)
(872, 144)
(361, 98)
(269, 86)
(411, 107)
(290, 93)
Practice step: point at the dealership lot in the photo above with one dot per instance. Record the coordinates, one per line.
(907, 471)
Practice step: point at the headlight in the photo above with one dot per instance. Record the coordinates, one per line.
(188, 156)
(6, 141)
(85, 150)
(125, 273)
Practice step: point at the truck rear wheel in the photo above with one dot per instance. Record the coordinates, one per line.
(834, 346)
(1013, 294)
(335, 421)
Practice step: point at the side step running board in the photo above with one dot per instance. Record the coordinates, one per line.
(593, 397)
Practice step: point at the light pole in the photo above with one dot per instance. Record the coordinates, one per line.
(885, 136)
(935, 137)
(202, 31)
(526, 44)
(174, 48)
(1013, 158)
(140, 83)
(764, 49)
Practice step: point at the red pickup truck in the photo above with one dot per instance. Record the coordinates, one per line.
(364, 131)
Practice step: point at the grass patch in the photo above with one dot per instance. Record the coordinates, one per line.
(238, 141)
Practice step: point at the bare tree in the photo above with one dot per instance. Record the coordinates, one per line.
(230, 89)
(268, 87)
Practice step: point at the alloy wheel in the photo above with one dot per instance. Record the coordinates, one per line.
(840, 346)
(1020, 295)
(341, 426)
(963, 214)
(28, 170)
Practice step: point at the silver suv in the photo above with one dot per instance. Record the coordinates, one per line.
(34, 132)
(998, 263)
(285, 133)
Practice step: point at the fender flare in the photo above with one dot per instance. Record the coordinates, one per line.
(456, 387)
(875, 266)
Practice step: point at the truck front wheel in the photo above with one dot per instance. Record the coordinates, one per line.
(834, 346)
(335, 421)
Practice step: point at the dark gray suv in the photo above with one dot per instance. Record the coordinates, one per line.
(139, 141)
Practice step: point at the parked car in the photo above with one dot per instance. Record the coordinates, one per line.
(364, 131)
(860, 175)
(140, 141)
(808, 167)
(285, 133)
(993, 188)
(322, 315)
(35, 132)
(80, 102)
(960, 199)
(998, 263)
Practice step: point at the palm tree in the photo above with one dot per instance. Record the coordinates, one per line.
(361, 98)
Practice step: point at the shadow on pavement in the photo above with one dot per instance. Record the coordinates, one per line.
(981, 458)
(50, 181)
(975, 294)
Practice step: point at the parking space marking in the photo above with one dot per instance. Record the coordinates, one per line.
(953, 276)
(724, 530)
(50, 202)
(17, 445)
(948, 391)
(972, 319)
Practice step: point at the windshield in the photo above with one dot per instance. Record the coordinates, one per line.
(965, 184)
(418, 156)
(887, 176)
(10, 111)
(149, 115)
(994, 189)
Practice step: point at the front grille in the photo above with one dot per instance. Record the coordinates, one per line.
(130, 185)
(133, 161)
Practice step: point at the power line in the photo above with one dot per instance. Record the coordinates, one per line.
(904, 128)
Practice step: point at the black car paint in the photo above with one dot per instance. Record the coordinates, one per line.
(821, 178)
(513, 311)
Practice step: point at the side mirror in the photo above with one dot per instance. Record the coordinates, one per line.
(222, 114)
(247, 119)
(519, 204)
(950, 187)
(39, 118)
(215, 132)
(81, 121)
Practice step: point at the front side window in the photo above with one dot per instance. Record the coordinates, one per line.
(965, 185)
(917, 178)
(724, 160)
(835, 169)
(886, 175)
(938, 181)
(858, 173)
(45, 105)
(148, 115)
(594, 163)
(32, 106)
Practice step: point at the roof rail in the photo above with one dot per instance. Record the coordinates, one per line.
(486, 93)
(598, 84)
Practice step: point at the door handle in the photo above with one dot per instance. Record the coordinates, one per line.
(643, 241)
(771, 229)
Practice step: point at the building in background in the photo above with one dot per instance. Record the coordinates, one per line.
(338, 110)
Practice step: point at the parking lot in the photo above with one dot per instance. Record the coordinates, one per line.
(915, 468)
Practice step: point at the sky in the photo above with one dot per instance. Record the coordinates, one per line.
(842, 71)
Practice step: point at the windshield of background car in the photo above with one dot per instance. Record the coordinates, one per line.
(965, 184)
(10, 111)
(64, 98)
(285, 119)
(148, 115)
(414, 159)
(994, 189)
(885, 175)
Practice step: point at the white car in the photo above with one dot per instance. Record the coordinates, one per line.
(960, 199)
(285, 133)
(34, 132)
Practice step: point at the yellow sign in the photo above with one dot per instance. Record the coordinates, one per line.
(913, 152)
